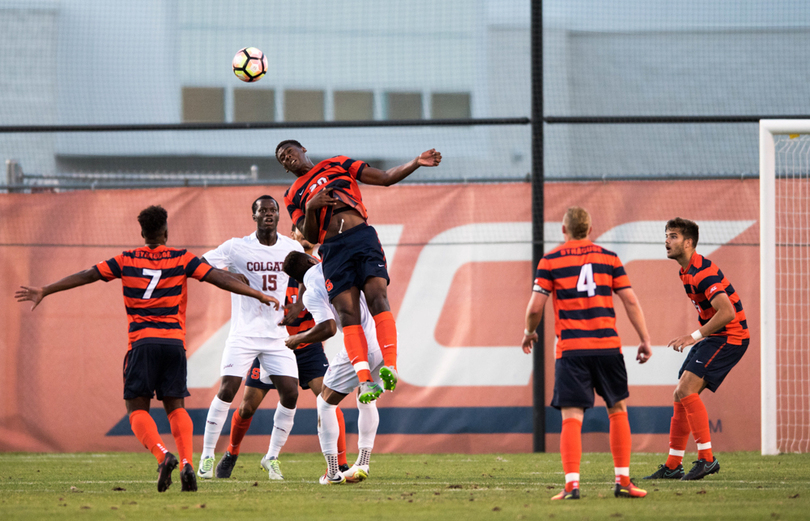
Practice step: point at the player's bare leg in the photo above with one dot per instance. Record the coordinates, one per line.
(283, 419)
(217, 415)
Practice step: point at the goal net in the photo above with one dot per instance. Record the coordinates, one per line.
(785, 284)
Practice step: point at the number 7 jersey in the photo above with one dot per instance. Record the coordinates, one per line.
(262, 266)
(581, 278)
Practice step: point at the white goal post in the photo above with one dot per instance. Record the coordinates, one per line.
(784, 180)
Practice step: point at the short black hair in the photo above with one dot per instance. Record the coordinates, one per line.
(255, 205)
(153, 220)
(689, 229)
(287, 142)
(296, 264)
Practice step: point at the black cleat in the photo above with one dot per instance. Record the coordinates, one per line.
(702, 469)
(665, 472)
(343, 468)
(188, 479)
(574, 494)
(226, 464)
(165, 471)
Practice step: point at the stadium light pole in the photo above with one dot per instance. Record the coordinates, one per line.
(537, 177)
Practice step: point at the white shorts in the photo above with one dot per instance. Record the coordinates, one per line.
(341, 376)
(274, 356)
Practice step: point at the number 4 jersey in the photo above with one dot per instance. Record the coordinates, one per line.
(581, 278)
(262, 266)
(155, 296)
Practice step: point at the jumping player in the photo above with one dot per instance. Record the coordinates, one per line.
(312, 364)
(326, 204)
(154, 280)
(719, 343)
(341, 378)
(581, 277)
(255, 331)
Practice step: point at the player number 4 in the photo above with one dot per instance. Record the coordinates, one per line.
(585, 282)
(155, 274)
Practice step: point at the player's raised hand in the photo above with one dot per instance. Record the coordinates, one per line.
(430, 157)
(32, 294)
(644, 352)
(270, 301)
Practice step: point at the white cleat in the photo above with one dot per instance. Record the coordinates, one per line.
(273, 469)
(337, 479)
(356, 473)
(206, 470)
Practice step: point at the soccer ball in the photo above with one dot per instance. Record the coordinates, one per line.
(249, 64)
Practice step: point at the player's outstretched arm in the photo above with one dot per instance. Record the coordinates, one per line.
(228, 282)
(534, 313)
(636, 316)
(36, 294)
(375, 176)
(322, 331)
(724, 314)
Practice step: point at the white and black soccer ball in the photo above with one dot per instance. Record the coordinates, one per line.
(250, 64)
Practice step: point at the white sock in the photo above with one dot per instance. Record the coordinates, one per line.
(328, 428)
(368, 419)
(282, 425)
(217, 415)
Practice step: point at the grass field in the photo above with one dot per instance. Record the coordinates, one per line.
(402, 486)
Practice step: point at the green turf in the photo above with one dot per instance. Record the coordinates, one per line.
(458, 487)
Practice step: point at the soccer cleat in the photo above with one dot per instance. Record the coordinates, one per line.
(665, 472)
(226, 464)
(389, 376)
(343, 468)
(165, 471)
(273, 468)
(630, 490)
(369, 391)
(574, 494)
(337, 479)
(702, 469)
(356, 473)
(188, 480)
(206, 470)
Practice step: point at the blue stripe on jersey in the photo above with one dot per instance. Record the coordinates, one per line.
(564, 294)
(192, 266)
(585, 314)
(568, 334)
(708, 282)
(114, 268)
(139, 326)
(132, 271)
(158, 293)
(153, 312)
(573, 271)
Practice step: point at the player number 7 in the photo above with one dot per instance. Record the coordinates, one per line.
(155, 274)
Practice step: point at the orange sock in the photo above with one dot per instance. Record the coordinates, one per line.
(147, 433)
(620, 446)
(356, 347)
(387, 337)
(571, 451)
(678, 436)
(699, 424)
(239, 427)
(183, 432)
(341, 446)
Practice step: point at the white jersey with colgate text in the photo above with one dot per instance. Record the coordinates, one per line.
(262, 266)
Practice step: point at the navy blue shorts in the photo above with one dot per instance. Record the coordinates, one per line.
(712, 359)
(576, 378)
(312, 364)
(151, 369)
(352, 257)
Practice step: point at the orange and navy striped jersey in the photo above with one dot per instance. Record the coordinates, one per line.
(304, 322)
(339, 174)
(703, 281)
(155, 296)
(581, 278)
